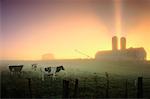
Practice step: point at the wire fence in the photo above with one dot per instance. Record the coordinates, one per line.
(96, 86)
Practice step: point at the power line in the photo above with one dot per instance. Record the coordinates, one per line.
(82, 53)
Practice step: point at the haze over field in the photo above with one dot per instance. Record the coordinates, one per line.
(128, 68)
(31, 28)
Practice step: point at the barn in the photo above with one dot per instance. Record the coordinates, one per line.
(122, 54)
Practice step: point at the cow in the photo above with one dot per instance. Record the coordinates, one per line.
(34, 67)
(50, 71)
(15, 69)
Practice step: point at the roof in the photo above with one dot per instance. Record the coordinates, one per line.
(131, 53)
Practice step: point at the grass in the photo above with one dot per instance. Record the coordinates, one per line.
(91, 76)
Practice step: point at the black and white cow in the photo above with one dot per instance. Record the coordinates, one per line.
(51, 71)
(34, 67)
(15, 69)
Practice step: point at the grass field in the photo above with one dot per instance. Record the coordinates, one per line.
(90, 73)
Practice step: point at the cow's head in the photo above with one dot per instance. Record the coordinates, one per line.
(34, 65)
(62, 67)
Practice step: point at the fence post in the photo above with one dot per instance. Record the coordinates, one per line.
(84, 86)
(126, 89)
(29, 84)
(65, 89)
(107, 85)
(76, 88)
(140, 87)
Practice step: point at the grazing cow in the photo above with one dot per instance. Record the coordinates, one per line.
(15, 69)
(51, 71)
(34, 67)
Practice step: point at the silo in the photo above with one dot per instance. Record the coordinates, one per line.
(114, 43)
(122, 43)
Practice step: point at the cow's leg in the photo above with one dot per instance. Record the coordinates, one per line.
(11, 73)
(42, 76)
(54, 75)
(16, 74)
(20, 73)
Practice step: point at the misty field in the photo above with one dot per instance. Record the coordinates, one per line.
(91, 75)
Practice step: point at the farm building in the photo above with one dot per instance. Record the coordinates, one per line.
(123, 54)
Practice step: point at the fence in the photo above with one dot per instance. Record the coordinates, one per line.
(92, 87)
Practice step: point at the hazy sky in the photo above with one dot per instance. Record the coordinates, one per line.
(31, 28)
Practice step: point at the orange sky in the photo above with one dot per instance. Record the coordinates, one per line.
(30, 33)
(76, 32)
